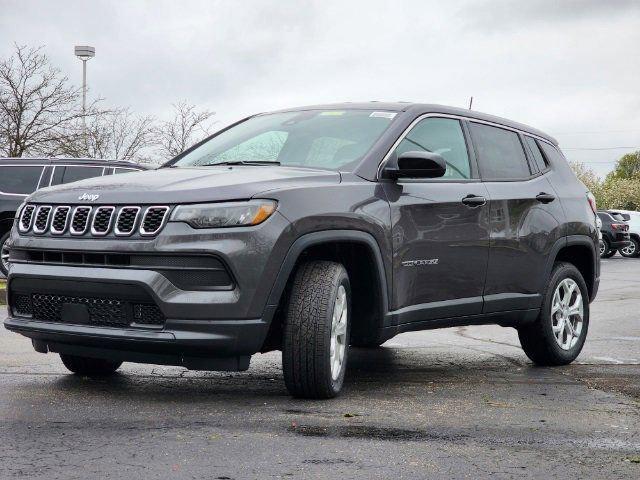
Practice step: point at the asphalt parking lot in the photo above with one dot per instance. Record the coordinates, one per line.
(455, 403)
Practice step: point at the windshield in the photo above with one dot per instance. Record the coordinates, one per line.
(332, 139)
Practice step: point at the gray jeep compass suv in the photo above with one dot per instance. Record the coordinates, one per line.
(311, 230)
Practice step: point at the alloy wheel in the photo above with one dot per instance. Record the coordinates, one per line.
(567, 313)
(629, 250)
(338, 332)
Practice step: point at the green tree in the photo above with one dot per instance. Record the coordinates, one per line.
(627, 167)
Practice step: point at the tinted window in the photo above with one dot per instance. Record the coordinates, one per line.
(73, 174)
(442, 136)
(534, 148)
(22, 180)
(124, 170)
(500, 153)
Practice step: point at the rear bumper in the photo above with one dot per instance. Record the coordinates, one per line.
(198, 345)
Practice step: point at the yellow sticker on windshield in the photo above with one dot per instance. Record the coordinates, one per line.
(333, 113)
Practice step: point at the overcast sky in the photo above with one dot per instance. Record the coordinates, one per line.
(570, 68)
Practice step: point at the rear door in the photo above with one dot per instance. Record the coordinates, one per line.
(526, 218)
(440, 236)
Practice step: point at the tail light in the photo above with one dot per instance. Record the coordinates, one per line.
(592, 203)
(622, 227)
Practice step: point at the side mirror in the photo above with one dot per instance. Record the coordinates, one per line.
(416, 165)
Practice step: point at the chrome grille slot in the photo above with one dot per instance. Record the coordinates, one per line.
(153, 220)
(80, 220)
(60, 219)
(126, 220)
(26, 218)
(102, 221)
(42, 219)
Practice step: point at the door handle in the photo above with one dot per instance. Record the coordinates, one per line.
(543, 197)
(474, 201)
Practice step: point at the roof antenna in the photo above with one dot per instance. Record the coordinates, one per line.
(470, 102)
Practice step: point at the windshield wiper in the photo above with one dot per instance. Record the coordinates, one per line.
(244, 162)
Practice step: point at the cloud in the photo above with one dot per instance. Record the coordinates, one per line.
(561, 66)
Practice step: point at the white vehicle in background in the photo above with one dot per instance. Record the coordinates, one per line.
(633, 220)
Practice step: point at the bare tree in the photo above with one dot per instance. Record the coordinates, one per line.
(187, 127)
(38, 109)
(112, 134)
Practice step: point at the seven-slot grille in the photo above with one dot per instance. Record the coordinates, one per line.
(42, 219)
(126, 222)
(26, 218)
(60, 219)
(102, 220)
(98, 221)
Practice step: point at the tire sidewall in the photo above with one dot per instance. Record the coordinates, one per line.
(560, 273)
(342, 279)
(605, 242)
(3, 239)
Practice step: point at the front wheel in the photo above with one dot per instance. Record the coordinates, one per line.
(632, 250)
(316, 332)
(4, 254)
(559, 333)
(91, 367)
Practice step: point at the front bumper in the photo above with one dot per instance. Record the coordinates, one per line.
(210, 330)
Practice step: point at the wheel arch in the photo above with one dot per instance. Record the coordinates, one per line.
(348, 248)
(580, 251)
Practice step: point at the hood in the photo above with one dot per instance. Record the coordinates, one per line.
(185, 185)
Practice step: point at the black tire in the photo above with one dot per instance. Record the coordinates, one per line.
(306, 346)
(3, 240)
(90, 367)
(605, 249)
(538, 340)
(632, 251)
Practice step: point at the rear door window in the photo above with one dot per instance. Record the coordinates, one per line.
(19, 180)
(500, 153)
(73, 174)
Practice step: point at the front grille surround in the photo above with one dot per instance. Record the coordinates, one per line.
(93, 220)
(102, 219)
(125, 224)
(60, 216)
(26, 218)
(41, 222)
(153, 220)
(80, 218)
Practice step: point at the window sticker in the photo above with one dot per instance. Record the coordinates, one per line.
(332, 113)
(389, 115)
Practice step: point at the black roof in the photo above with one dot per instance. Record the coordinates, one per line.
(71, 161)
(421, 108)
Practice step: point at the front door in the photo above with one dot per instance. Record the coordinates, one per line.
(440, 229)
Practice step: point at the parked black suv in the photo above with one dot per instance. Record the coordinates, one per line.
(615, 233)
(309, 230)
(19, 177)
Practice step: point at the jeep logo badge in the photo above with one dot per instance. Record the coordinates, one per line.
(92, 197)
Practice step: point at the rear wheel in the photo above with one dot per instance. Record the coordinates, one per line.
(91, 367)
(605, 249)
(316, 333)
(632, 250)
(559, 333)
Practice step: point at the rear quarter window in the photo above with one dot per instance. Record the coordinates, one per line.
(20, 180)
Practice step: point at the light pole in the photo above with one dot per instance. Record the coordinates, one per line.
(84, 53)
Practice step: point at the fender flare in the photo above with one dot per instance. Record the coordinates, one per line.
(570, 240)
(329, 236)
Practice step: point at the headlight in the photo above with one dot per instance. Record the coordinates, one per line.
(219, 215)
